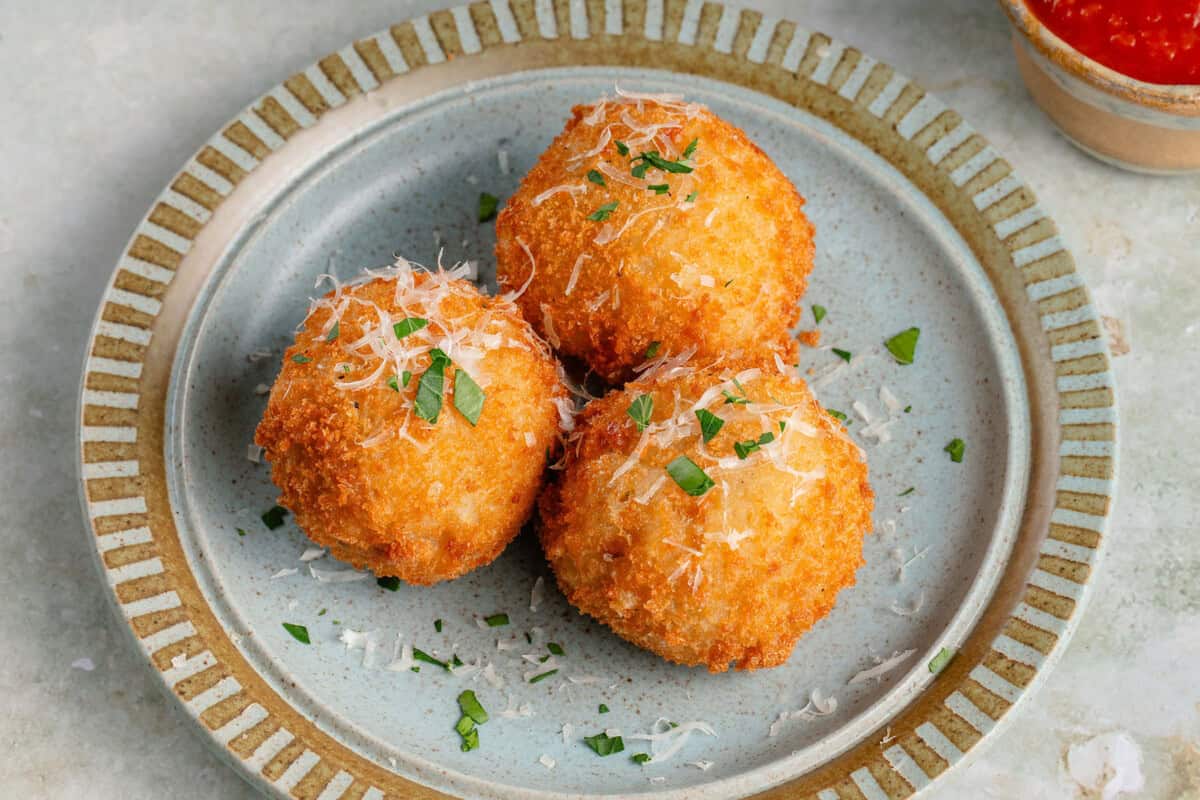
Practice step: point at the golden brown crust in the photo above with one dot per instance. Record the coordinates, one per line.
(633, 565)
(432, 507)
(723, 273)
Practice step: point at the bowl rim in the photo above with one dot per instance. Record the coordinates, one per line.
(1182, 98)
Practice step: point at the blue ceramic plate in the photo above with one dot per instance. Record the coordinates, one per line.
(383, 148)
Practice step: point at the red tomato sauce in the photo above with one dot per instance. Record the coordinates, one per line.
(1157, 41)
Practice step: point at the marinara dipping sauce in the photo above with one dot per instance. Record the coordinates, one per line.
(1156, 41)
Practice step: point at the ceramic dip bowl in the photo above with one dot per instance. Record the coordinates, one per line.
(1146, 127)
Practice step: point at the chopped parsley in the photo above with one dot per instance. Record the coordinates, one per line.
(300, 358)
(496, 620)
(744, 449)
(421, 655)
(690, 150)
(939, 662)
(907, 409)
(603, 709)
(273, 517)
(470, 740)
(658, 162)
(437, 625)
(333, 332)
(844, 355)
(639, 170)
(429, 390)
(818, 313)
(394, 383)
(689, 477)
(691, 198)
(241, 532)
(471, 707)
(468, 397)
(907, 491)
(602, 213)
(652, 350)
(595, 177)
(640, 758)
(321, 613)
(903, 346)
(542, 676)
(391, 583)
(640, 410)
(528, 638)
(659, 188)
(409, 325)
(739, 399)
(956, 449)
(455, 661)
(487, 206)
(838, 415)
(298, 632)
(603, 744)
(710, 424)
(555, 648)
(622, 148)
(464, 725)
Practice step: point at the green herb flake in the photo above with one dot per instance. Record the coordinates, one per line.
(907, 491)
(555, 648)
(603, 744)
(273, 517)
(602, 213)
(409, 325)
(421, 655)
(321, 613)
(464, 725)
(595, 177)
(496, 620)
(639, 170)
(405, 378)
(939, 662)
(298, 632)
(838, 415)
(903, 346)
(689, 477)
(728, 283)
(658, 162)
(543, 659)
(470, 741)
(300, 358)
(241, 532)
(543, 676)
(659, 188)
(710, 424)
(956, 448)
(487, 206)
(690, 150)
(414, 669)
(468, 397)
(782, 425)
(640, 758)
(456, 661)
(334, 331)
(844, 355)
(908, 409)
(652, 350)
(622, 148)
(640, 410)
(391, 583)
(429, 390)
(528, 638)
(603, 709)
(691, 198)
(818, 313)
(437, 625)
(744, 449)
(394, 383)
(471, 707)
(730, 397)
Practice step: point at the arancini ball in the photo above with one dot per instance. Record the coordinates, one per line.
(650, 219)
(723, 529)
(410, 426)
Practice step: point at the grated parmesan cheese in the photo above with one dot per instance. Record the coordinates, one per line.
(254, 453)
(666, 741)
(879, 670)
(312, 554)
(546, 761)
(283, 573)
(537, 593)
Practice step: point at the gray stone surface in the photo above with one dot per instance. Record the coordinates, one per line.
(102, 104)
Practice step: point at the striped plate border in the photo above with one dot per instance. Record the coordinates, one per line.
(297, 760)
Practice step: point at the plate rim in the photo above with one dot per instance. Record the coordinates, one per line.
(726, 43)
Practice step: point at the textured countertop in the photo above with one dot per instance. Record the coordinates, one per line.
(102, 104)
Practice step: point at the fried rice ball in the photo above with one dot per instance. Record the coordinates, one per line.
(653, 220)
(708, 552)
(375, 435)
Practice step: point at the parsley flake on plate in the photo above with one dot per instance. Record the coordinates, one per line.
(471, 707)
(818, 313)
(844, 355)
(555, 648)
(939, 662)
(391, 583)
(298, 632)
(421, 655)
(903, 346)
(273, 517)
(496, 620)
(838, 415)
(956, 448)
(543, 676)
(487, 206)
(603, 744)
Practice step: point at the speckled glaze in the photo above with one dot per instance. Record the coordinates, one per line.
(919, 223)
(1145, 127)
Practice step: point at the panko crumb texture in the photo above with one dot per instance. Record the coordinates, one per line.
(702, 243)
(737, 574)
(369, 478)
